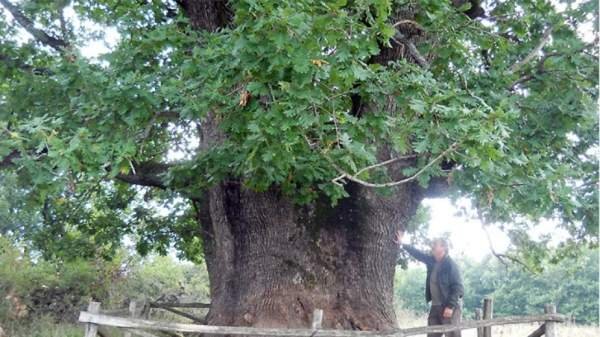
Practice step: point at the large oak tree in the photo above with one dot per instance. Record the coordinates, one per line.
(284, 142)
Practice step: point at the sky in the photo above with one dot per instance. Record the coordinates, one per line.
(467, 236)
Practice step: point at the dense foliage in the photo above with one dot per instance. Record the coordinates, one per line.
(501, 106)
(31, 288)
(571, 285)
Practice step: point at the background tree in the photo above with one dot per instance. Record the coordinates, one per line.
(292, 138)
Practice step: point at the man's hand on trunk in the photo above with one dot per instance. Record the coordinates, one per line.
(399, 236)
(448, 312)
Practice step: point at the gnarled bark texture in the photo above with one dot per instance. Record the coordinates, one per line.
(271, 262)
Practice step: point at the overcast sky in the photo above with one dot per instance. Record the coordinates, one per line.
(467, 236)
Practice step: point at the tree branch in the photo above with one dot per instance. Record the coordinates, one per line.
(412, 49)
(353, 177)
(12, 63)
(29, 26)
(545, 39)
(146, 174)
(502, 257)
(540, 64)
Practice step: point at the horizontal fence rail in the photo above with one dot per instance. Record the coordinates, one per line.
(485, 323)
(179, 305)
(133, 323)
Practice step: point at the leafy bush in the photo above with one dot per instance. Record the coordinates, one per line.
(57, 289)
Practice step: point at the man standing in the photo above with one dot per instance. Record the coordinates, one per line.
(443, 288)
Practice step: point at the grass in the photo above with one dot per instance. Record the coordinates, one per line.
(47, 327)
(42, 327)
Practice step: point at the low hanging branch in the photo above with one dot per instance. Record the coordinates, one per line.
(354, 177)
(502, 257)
(29, 26)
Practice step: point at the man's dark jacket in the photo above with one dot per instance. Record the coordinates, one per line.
(448, 279)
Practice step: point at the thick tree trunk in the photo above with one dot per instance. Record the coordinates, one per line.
(272, 262)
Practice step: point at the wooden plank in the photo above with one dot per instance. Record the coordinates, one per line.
(479, 317)
(509, 320)
(132, 308)
(317, 319)
(130, 323)
(91, 329)
(488, 313)
(539, 332)
(180, 305)
(185, 314)
(550, 326)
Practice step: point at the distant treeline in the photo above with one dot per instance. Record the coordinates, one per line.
(571, 284)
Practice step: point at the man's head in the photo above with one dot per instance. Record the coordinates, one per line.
(439, 248)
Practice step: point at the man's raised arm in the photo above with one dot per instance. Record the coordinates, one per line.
(414, 252)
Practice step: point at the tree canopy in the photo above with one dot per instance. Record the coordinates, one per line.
(493, 101)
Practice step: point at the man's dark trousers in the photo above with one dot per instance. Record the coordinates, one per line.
(436, 317)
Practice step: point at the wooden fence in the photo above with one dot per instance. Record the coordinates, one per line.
(134, 325)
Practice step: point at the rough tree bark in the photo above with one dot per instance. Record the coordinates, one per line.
(272, 262)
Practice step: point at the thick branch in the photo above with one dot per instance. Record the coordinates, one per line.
(535, 52)
(353, 177)
(29, 26)
(146, 174)
(412, 49)
(209, 15)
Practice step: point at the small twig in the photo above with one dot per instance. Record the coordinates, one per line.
(383, 163)
(501, 257)
(545, 39)
(352, 177)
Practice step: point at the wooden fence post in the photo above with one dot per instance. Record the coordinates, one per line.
(488, 309)
(550, 325)
(478, 317)
(132, 308)
(91, 329)
(317, 319)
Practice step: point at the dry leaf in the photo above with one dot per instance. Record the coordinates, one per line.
(244, 97)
